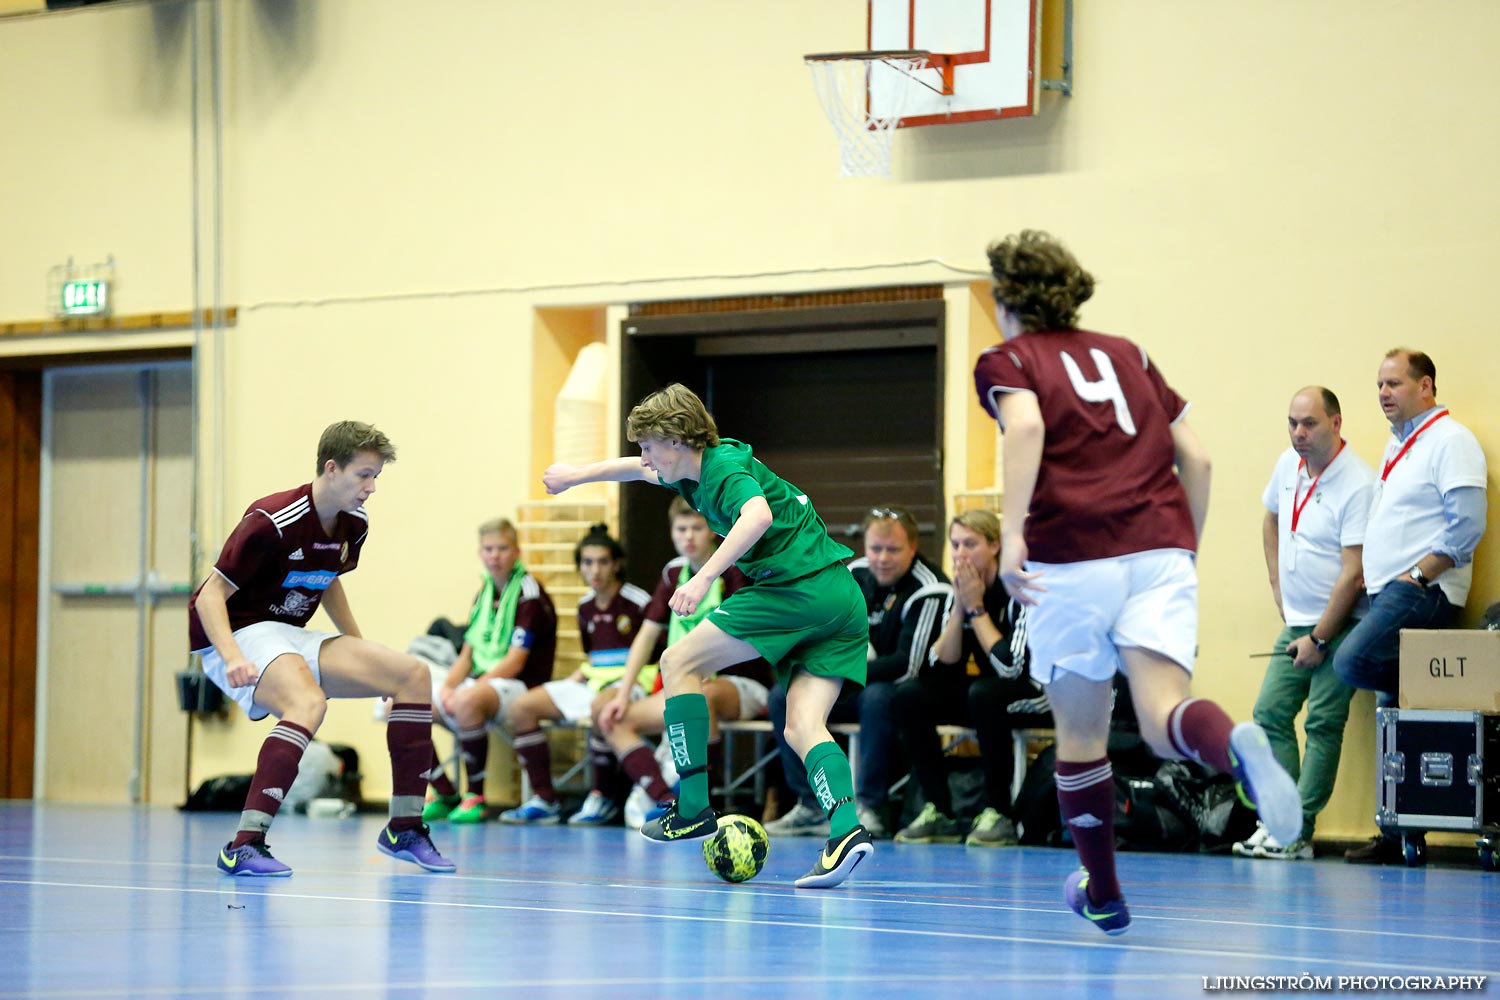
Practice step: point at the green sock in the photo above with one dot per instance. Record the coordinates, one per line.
(686, 718)
(831, 780)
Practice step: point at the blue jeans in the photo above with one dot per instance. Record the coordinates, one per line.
(877, 741)
(1370, 657)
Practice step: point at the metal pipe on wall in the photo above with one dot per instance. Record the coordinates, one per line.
(143, 598)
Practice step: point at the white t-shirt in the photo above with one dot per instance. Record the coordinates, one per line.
(1406, 513)
(1333, 517)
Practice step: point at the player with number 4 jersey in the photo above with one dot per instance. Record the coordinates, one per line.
(1106, 493)
(1106, 485)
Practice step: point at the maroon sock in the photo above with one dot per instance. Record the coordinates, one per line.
(536, 756)
(438, 778)
(1199, 730)
(275, 770)
(1086, 795)
(603, 763)
(474, 745)
(640, 764)
(408, 737)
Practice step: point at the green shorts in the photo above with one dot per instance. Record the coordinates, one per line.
(816, 622)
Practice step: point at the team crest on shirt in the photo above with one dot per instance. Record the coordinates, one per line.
(623, 625)
(293, 605)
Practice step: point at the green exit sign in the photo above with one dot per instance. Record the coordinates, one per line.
(85, 298)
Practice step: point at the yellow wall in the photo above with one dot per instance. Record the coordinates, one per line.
(1270, 193)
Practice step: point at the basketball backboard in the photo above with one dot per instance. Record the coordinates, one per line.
(991, 45)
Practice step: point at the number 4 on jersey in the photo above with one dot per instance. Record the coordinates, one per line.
(1106, 389)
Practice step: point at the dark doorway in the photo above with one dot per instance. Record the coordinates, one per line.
(844, 402)
(852, 430)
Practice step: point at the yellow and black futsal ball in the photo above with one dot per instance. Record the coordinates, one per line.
(737, 852)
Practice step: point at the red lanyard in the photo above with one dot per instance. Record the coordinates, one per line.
(1297, 507)
(1409, 442)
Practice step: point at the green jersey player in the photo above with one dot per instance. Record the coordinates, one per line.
(803, 612)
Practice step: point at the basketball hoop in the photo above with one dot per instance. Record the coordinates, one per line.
(843, 81)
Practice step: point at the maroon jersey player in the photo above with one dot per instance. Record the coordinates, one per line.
(248, 622)
(1106, 491)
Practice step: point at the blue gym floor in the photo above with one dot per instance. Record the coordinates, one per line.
(122, 902)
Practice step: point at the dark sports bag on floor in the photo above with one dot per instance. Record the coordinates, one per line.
(226, 793)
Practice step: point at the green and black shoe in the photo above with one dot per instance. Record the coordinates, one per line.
(838, 860)
(671, 826)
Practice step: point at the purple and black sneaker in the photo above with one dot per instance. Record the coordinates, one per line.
(1112, 917)
(414, 845)
(253, 860)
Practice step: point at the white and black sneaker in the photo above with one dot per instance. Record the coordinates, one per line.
(1246, 848)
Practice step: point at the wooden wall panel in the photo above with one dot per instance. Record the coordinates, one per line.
(20, 488)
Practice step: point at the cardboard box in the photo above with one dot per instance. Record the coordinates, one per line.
(1450, 668)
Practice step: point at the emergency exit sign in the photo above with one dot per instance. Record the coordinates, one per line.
(85, 298)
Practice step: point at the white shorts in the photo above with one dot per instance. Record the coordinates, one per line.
(575, 699)
(1093, 608)
(507, 688)
(262, 643)
(754, 698)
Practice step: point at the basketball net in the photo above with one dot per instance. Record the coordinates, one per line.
(843, 86)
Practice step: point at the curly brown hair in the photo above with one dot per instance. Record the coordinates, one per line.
(673, 412)
(1039, 280)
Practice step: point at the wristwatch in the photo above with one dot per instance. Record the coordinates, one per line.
(1321, 645)
(973, 613)
(1417, 575)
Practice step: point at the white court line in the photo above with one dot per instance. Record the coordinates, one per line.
(611, 983)
(851, 895)
(822, 926)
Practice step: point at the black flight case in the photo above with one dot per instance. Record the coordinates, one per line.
(1439, 769)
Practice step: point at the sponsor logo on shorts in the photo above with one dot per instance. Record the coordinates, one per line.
(316, 579)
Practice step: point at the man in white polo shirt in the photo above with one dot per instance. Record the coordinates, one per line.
(1316, 505)
(1426, 519)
